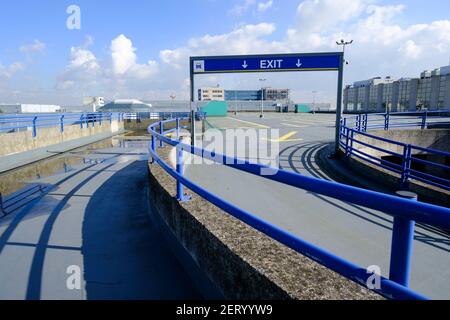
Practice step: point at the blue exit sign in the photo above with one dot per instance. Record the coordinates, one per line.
(267, 63)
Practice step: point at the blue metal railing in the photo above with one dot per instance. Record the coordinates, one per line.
(354, 128)
(32, 122)
(404, 211)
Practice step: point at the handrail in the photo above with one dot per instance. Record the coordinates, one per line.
(402, 210)
(12, 123)
(353, 127)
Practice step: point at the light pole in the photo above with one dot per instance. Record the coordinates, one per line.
(344, 43)
(262, 98)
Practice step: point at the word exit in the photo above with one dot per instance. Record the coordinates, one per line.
(271, 64)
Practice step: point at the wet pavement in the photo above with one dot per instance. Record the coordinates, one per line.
(78, 227)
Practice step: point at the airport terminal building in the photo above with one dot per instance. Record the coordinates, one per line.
(429, 92)
(219, 94)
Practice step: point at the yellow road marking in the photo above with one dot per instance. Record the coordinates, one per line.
(252, 123)
(285, 138)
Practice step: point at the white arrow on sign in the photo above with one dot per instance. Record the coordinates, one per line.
(299, 64)
(245, 65)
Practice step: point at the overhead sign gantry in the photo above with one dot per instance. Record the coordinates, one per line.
(295, 62)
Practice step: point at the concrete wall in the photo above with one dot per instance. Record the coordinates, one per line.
(435, 139)
(17, 142)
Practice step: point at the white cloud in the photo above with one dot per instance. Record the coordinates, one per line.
(243, 40)
(240, 9)
(384, 44)
(87, 73)
(410, 50)
(124, 60)
(11, 70)
(325, 15)
(263, 6)
(34, 47)
(83, 69)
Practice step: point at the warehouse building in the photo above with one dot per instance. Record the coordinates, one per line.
(28, 108)
(429, 92)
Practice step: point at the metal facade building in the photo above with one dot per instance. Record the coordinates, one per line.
(242, 95)
(431, 92)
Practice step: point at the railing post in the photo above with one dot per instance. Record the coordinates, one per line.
(347, 151)
(34, 127)
(358, 122)
(110, 117)
(178, 128)
(386, 121)
(424, 119)
(81, 121)
(365, 120)
(192, 116)
(161, 132)
(153, 146)
(402, 246)
(180, 170)
(61, 121)
(406, 166)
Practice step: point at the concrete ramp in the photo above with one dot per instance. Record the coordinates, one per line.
(93, 222)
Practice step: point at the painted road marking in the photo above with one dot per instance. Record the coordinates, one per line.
(312, 123)
(285, 138)
(249, 122)
(292, 125)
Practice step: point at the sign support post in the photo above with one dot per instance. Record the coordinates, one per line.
(337, 136)
(192, 111)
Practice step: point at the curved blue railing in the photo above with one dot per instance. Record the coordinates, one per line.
(405, 212)
(355, 127)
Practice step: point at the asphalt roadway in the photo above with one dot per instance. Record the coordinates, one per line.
(358, 234)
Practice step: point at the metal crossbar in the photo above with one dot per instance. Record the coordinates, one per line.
(355, 127)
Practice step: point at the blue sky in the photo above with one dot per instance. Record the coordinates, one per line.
(43, 61)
